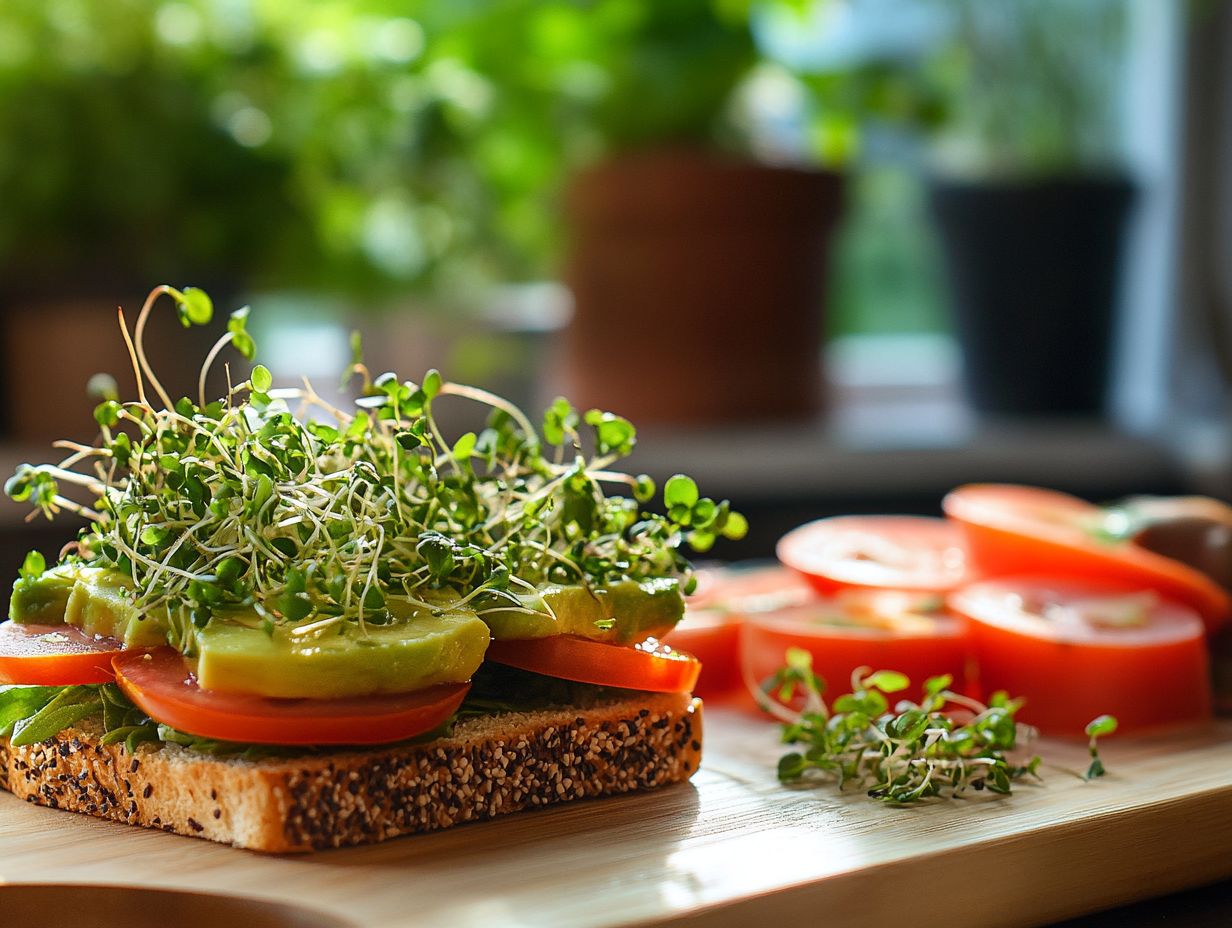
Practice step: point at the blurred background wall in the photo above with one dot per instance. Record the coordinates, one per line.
(831, 254)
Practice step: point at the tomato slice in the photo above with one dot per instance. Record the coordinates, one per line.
(650, 666)
(888, 552)
(710, 629)
(755, 587)
(885, 630)
(1076, 649)
(162, 685)
(713, 637)
(54, 655)
(1025, 530)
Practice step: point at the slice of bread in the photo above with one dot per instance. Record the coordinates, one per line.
(488, 766)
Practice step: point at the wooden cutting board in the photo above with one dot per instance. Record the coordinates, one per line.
(732, 848)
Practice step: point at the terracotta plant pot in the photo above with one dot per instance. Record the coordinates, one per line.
(698, 286)
(52, 346)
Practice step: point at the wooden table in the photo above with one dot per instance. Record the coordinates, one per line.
(732, 848)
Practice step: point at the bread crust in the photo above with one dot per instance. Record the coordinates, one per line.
(488, 766)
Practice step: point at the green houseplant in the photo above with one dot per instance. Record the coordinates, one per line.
(682, 251)
(1030, 199)
(117, 166)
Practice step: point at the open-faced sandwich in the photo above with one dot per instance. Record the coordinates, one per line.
(288, 625)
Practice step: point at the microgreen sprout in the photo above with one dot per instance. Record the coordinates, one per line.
(319, 516)
(945, 745)
(1096, 729)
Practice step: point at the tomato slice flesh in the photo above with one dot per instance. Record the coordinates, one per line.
(54, 655)
(1017, 530)
(1040, 640)
(713, 637)
(161, 684)
(921, 646)
(710, 629)
(916, 553)
(651, 666)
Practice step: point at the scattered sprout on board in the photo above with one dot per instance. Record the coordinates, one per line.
(943, 746)
(311, 513)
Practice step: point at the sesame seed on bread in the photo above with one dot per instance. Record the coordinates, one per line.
(489, 765)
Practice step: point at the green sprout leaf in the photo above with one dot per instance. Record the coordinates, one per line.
(299, 515)
(680, 491)
(103, 387)
(888, 681)
(1097, 728)
(194, 307)
(33, 566)
(261, 379)
(432, 384)
(915, 752)
(241, 341)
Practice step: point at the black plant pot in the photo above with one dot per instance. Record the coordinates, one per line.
(1033, 269)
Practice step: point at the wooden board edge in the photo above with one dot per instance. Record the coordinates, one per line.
(1035, 878)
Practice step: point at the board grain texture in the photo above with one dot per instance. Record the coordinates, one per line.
(733, 847)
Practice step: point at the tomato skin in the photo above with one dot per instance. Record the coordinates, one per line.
(652, 667)
(1148, 677)
(713, 637)
(53, 655)
(839, 650)
(1016, 530)
(161, 684)
(915, 553)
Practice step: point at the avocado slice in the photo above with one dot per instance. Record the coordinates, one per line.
(42, 600)
(622, 613)
(414, 651)
(103, 603)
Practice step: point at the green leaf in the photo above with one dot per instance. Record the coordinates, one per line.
(1100, 726)
(261, 379)
(107, 413)
(888, 681)
(18, 703)
(791, 767)
(736, 527)
(680, 491)
(103, 386)
(241, 341)
(464, 447)
(33, 566)
(61, 713)
(194, 307)
(432, 384)
(643, 488)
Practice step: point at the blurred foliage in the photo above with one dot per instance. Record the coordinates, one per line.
(1031, 88)
(363, 144)
(340, 142)
(1003, 87)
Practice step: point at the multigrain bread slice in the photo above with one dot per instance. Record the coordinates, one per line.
(488, 766)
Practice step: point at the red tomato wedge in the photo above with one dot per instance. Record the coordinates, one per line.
(1078, 649)
(1024, 530)
(883, 630)
(650, 666)
(885, 552)
(54, 655)
(162, 685)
